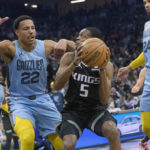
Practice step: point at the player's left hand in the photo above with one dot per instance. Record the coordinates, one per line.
(2, 20)
(60, 48)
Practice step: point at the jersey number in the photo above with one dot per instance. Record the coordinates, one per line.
(84, 90)
(146, 46)
(28, 77)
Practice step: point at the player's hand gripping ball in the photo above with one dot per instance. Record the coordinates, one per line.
(95, 52)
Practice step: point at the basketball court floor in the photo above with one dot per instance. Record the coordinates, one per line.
(128, 145)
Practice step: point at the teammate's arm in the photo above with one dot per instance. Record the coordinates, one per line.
(124, 71)
(105, 82)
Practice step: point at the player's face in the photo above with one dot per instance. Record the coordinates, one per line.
(26, 32)
(147, 6)
(83, 35)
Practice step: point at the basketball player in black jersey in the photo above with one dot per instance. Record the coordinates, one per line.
(87, 94)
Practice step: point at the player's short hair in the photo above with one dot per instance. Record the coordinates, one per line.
(19, 19)
(95, 32)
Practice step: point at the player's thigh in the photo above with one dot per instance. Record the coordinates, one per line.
(101, 121)
(47, 116)
(70, 125)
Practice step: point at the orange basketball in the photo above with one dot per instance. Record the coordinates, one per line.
(95, 52)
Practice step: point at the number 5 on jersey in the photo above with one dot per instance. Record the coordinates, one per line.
(84, 90)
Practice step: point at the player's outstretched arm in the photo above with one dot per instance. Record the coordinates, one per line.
(124, 71)
(2, 20)
(63, 46)
(58, 48)
(140, 81)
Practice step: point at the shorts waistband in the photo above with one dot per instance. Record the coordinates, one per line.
(32, 97)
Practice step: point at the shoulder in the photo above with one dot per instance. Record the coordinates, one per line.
(146, 23)
(7, 46)
(7, 43)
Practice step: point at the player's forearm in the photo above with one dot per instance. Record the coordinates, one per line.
(71, 46)
(140, 82)
(104, 89)
(62, 78)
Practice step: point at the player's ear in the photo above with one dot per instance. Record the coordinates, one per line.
(16, 32)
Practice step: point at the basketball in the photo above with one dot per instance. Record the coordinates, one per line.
(95, 52)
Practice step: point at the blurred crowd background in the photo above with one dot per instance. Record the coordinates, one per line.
(120, 21)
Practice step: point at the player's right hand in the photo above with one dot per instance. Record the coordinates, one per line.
(77, 56)
(135, 89)
(123, 73)
(2, 20)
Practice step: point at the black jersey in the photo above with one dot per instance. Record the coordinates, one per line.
(82, 92)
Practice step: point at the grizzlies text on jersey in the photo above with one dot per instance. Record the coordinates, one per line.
(29, 70)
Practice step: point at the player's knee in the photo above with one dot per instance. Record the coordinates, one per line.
(67, 145)
(69, 142)
(110, 131)
(27, 137)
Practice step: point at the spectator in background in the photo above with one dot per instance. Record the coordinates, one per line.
(130, 101)
(9, 132)
(115, 98)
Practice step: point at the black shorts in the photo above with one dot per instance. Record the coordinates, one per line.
(74, 122)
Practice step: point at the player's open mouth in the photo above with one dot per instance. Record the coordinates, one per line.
(31, 38)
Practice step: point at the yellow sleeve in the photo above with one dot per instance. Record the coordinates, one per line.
(5, 107)
(139, 61)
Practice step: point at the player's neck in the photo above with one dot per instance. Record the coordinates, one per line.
(26, 47)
